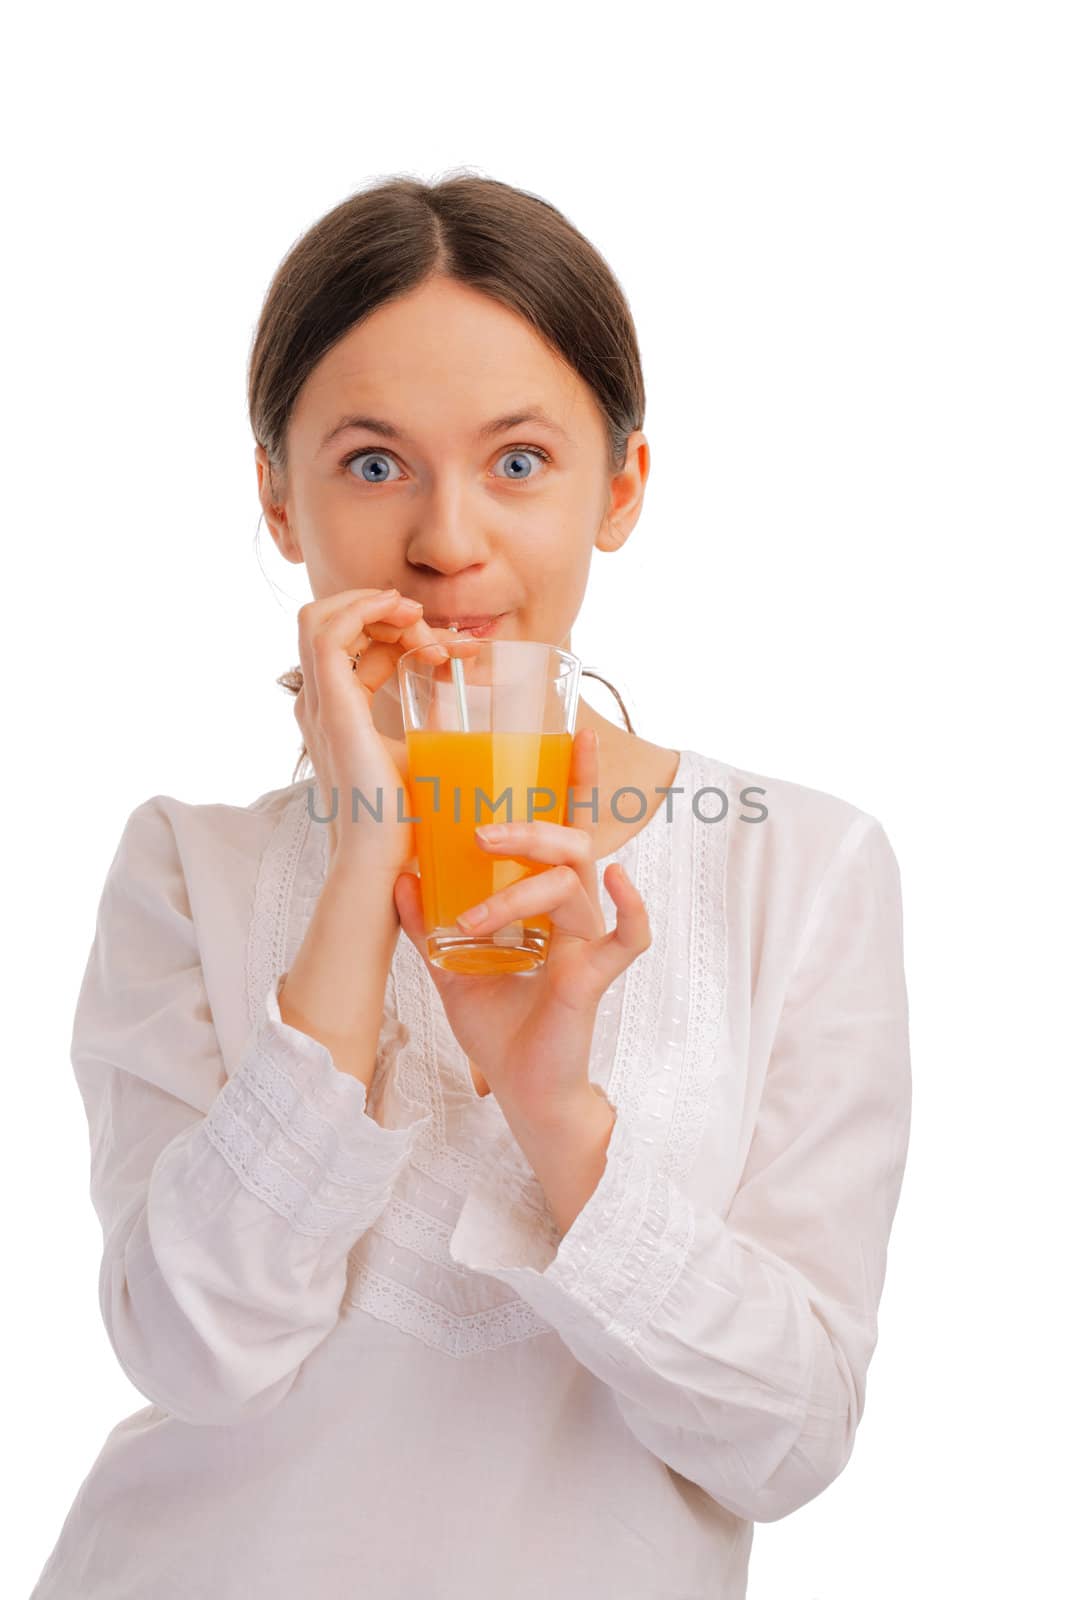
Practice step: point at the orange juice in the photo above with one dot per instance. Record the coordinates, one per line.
(474, 771)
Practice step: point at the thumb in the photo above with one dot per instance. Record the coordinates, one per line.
(407, 897)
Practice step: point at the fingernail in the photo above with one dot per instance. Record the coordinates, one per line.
(490, 832)
(471, 918)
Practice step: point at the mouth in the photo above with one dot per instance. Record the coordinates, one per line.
(478, 627)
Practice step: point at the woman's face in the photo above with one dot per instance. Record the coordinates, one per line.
(431, 492)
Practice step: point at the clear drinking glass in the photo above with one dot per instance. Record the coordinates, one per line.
(489, 738)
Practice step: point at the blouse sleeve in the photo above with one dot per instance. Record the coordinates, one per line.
(228, 1205)
(737, 1347)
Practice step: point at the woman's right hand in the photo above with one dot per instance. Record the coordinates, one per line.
(333, 710)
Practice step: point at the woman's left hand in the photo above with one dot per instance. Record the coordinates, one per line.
(530, 1034)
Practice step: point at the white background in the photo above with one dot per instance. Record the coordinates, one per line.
(841, 231)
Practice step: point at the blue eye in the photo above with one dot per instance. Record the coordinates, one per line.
(376, 457)
(522, 450)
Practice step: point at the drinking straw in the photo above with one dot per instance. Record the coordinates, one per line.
(460, 686)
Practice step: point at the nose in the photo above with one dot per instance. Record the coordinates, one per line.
(448, 538)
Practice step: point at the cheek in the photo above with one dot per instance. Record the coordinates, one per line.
(544, 550)
(555, 576)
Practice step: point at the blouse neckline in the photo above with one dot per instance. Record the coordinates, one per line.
(655, 1053)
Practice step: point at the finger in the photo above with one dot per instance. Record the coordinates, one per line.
(611, 954)
(350, 627)
(331, 645)
(579, 812)
(556, 892)
(310, 619)
(356, 628)
(584, 775)
(334, 629)
(571, 842)
(377, 666)
(551, 842)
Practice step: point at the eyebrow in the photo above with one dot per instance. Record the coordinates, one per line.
(514, 419)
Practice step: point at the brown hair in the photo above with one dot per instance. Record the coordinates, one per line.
(383, 241)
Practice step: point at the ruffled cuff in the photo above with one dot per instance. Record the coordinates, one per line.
(617, 1261)
(295, 1130)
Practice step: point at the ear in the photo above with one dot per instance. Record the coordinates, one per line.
(626, 493)
(277, 518)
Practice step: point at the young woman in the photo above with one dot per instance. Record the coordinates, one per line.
(440, 1285)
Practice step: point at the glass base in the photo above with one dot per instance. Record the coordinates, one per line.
(512, 949)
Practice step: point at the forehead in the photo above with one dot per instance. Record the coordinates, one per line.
(441, 360)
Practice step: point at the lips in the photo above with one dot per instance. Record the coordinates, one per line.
(474, 627)
(462, 622)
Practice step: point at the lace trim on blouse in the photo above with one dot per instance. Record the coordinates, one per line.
(653, 1056)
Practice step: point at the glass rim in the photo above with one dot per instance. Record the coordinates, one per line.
(567, 656)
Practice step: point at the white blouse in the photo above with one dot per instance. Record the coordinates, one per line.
(373, 1366)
